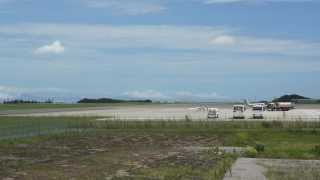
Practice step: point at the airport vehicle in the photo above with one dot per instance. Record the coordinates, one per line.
(238, 111)
(271, 106)
(280, 106)
(246, 102)
(213, 113)
(258, 111)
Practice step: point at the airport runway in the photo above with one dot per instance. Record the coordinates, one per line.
(171, 112)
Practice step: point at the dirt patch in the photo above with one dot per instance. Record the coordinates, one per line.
(102, 156)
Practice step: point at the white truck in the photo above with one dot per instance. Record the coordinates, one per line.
(213, 113)
(280, 106)
(257, 111)
(238, 111)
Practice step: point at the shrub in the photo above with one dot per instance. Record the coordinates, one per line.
(187, 118)
(273, 124)
(277, 124)
(316, 149)
(266, 124)
(251, 152)
(259, 147)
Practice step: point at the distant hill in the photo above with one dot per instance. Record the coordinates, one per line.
(109, 100)
(290, 98)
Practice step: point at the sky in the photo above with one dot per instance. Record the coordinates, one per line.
(199, 50)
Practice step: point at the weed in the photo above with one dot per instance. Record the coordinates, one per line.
(316, 149)
(250, 152)
(259, 147)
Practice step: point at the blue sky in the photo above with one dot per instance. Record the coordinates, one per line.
(159, 49)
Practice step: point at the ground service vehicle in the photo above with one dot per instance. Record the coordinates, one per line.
(258, 111)
(213, 113)
(280, 106)
(238, 111)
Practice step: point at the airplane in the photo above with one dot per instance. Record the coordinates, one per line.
(201, 108)
(247, 103)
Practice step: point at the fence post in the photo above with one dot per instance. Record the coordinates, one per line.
(39, 130)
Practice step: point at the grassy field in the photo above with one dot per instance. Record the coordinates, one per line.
(110, 155)
(17, 127)
(43, 106)
(60, 106)
(84, 148)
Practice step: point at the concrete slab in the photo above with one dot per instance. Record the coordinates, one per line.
(255, 169)
(246, 169)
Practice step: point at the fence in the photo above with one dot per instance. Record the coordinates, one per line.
(16, 127)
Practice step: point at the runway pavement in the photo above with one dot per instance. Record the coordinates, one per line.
(171, 112)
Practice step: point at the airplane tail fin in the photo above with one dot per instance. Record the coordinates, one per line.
(246, 102)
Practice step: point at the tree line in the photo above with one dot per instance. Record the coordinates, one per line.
(110, 100)
(20, 101)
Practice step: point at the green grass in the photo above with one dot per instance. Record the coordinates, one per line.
(44, 143)
(4, 107)
(101, 155)
(17, 127)
(281, 139)
(43, 106)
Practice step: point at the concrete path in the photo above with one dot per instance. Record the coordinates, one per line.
(246, 169)
(254, 169)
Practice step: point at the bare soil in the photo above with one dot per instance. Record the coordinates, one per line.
(103, 156)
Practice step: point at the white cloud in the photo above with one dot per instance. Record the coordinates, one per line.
(251, 1)
(92, 37)
(4, 96)
(186, 95)
(10, 92)
(7, 89)
(223, 40)
(128, 7)
(54, 48)
(173, 96)
(5, 1)
(6, 92)
(146, 94)
(221, 1)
